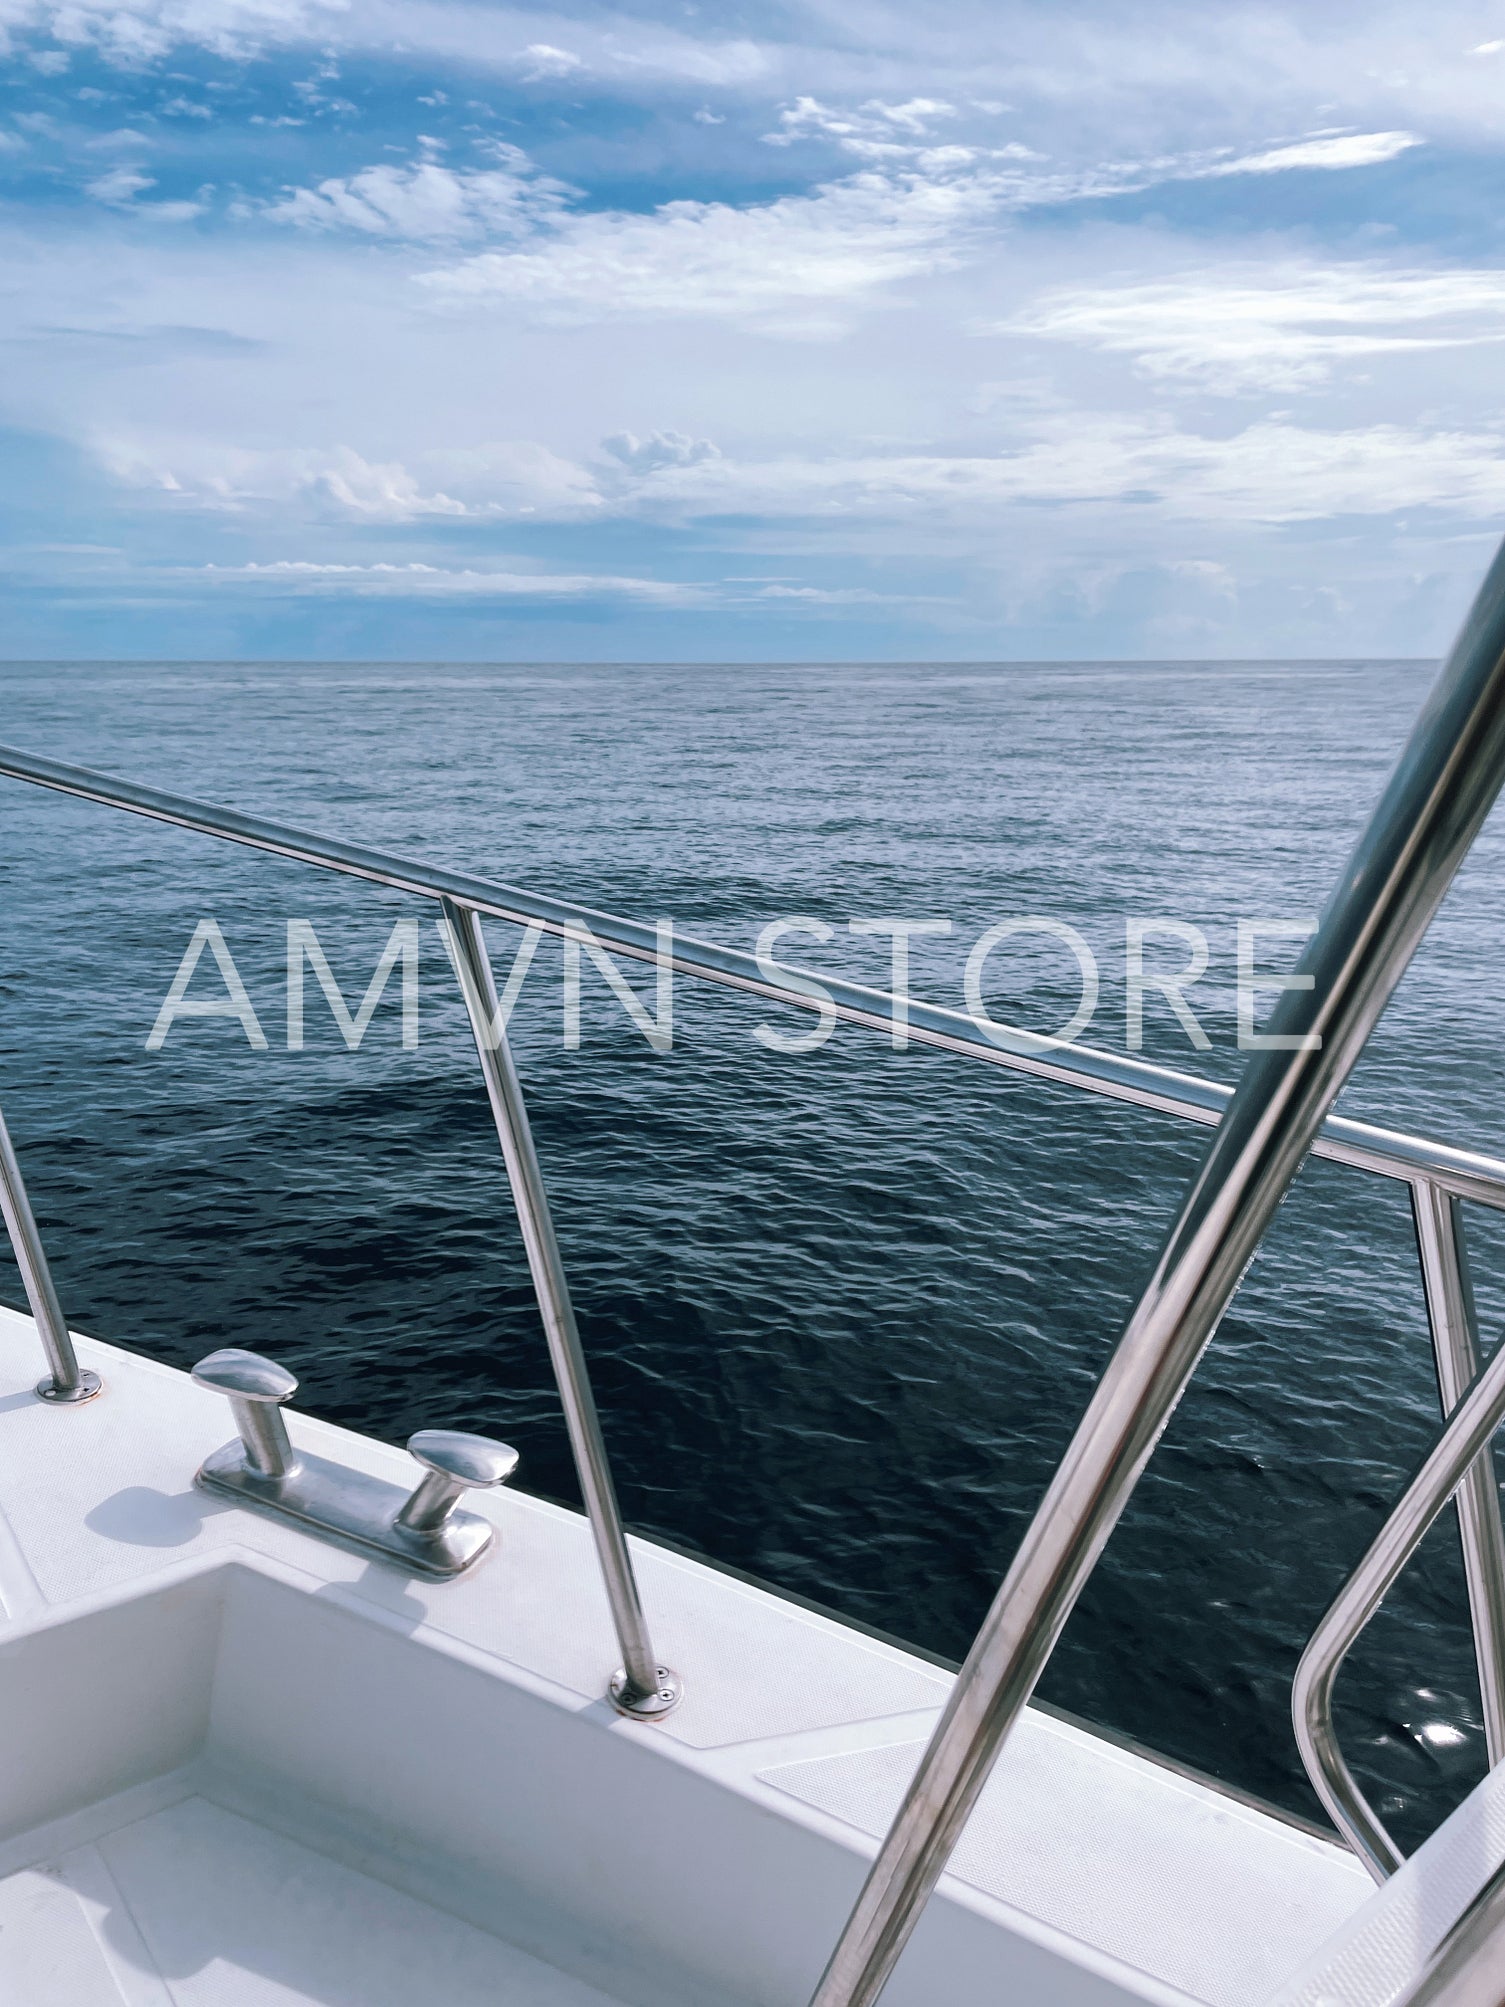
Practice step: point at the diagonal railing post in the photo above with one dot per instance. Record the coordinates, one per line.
(1443, 787)
(642, 1687)
(68, 1384)
(1455, 1344)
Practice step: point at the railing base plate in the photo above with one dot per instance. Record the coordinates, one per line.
(663, 1699)
(87, 1386)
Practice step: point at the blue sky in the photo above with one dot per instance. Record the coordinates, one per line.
(423, 328)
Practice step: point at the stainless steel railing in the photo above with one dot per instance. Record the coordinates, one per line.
(1437, 799)
(1460, 1450)
(1442, 789)
(643, 1687)
(1455, 1346)
(68, 1383)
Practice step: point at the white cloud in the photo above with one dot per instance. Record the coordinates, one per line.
(915, 115)
(788, 265)
(659, 449)
(135, 31)
(515, 477)
(1246, 327)
(794, 265)
(874, 131)
(383, 492)
(1357, 149)
(887, 133)
(510, 478)
(544, 60)
(426, 201)
(1151, 71)
(120, 186)
(426, 581)
(436, 581)
(341, 479)
(1287, 473)
(1271, 472)
(839, 595)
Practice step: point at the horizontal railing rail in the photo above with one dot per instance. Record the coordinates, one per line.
(1391, 1153)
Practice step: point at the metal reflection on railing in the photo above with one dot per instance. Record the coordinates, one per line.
(641, 1687)
(1443, 1253)
(1465, 1437)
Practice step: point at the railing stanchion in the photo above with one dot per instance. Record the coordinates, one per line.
(642, 1688)
(69, 1383)
(1455, 1342)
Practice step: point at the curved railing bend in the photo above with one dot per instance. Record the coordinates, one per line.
(1465, 1435)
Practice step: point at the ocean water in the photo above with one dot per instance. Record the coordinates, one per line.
(843, 1307)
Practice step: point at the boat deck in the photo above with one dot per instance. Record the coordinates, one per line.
(243, 1767)
(192, 1905)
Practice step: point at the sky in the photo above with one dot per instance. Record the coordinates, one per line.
(974, 331)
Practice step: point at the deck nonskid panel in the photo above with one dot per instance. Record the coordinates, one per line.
(448, 1743)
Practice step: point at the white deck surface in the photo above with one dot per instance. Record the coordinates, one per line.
(1385, 1946)
(194, 1906)
(299, 1777)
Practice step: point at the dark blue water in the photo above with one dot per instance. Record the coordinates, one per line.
(844, 1307)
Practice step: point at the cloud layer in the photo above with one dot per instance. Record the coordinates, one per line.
(1001, 330)
(426, 201)
(1275, 326)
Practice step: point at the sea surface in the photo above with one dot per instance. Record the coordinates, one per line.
(843, 1306)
